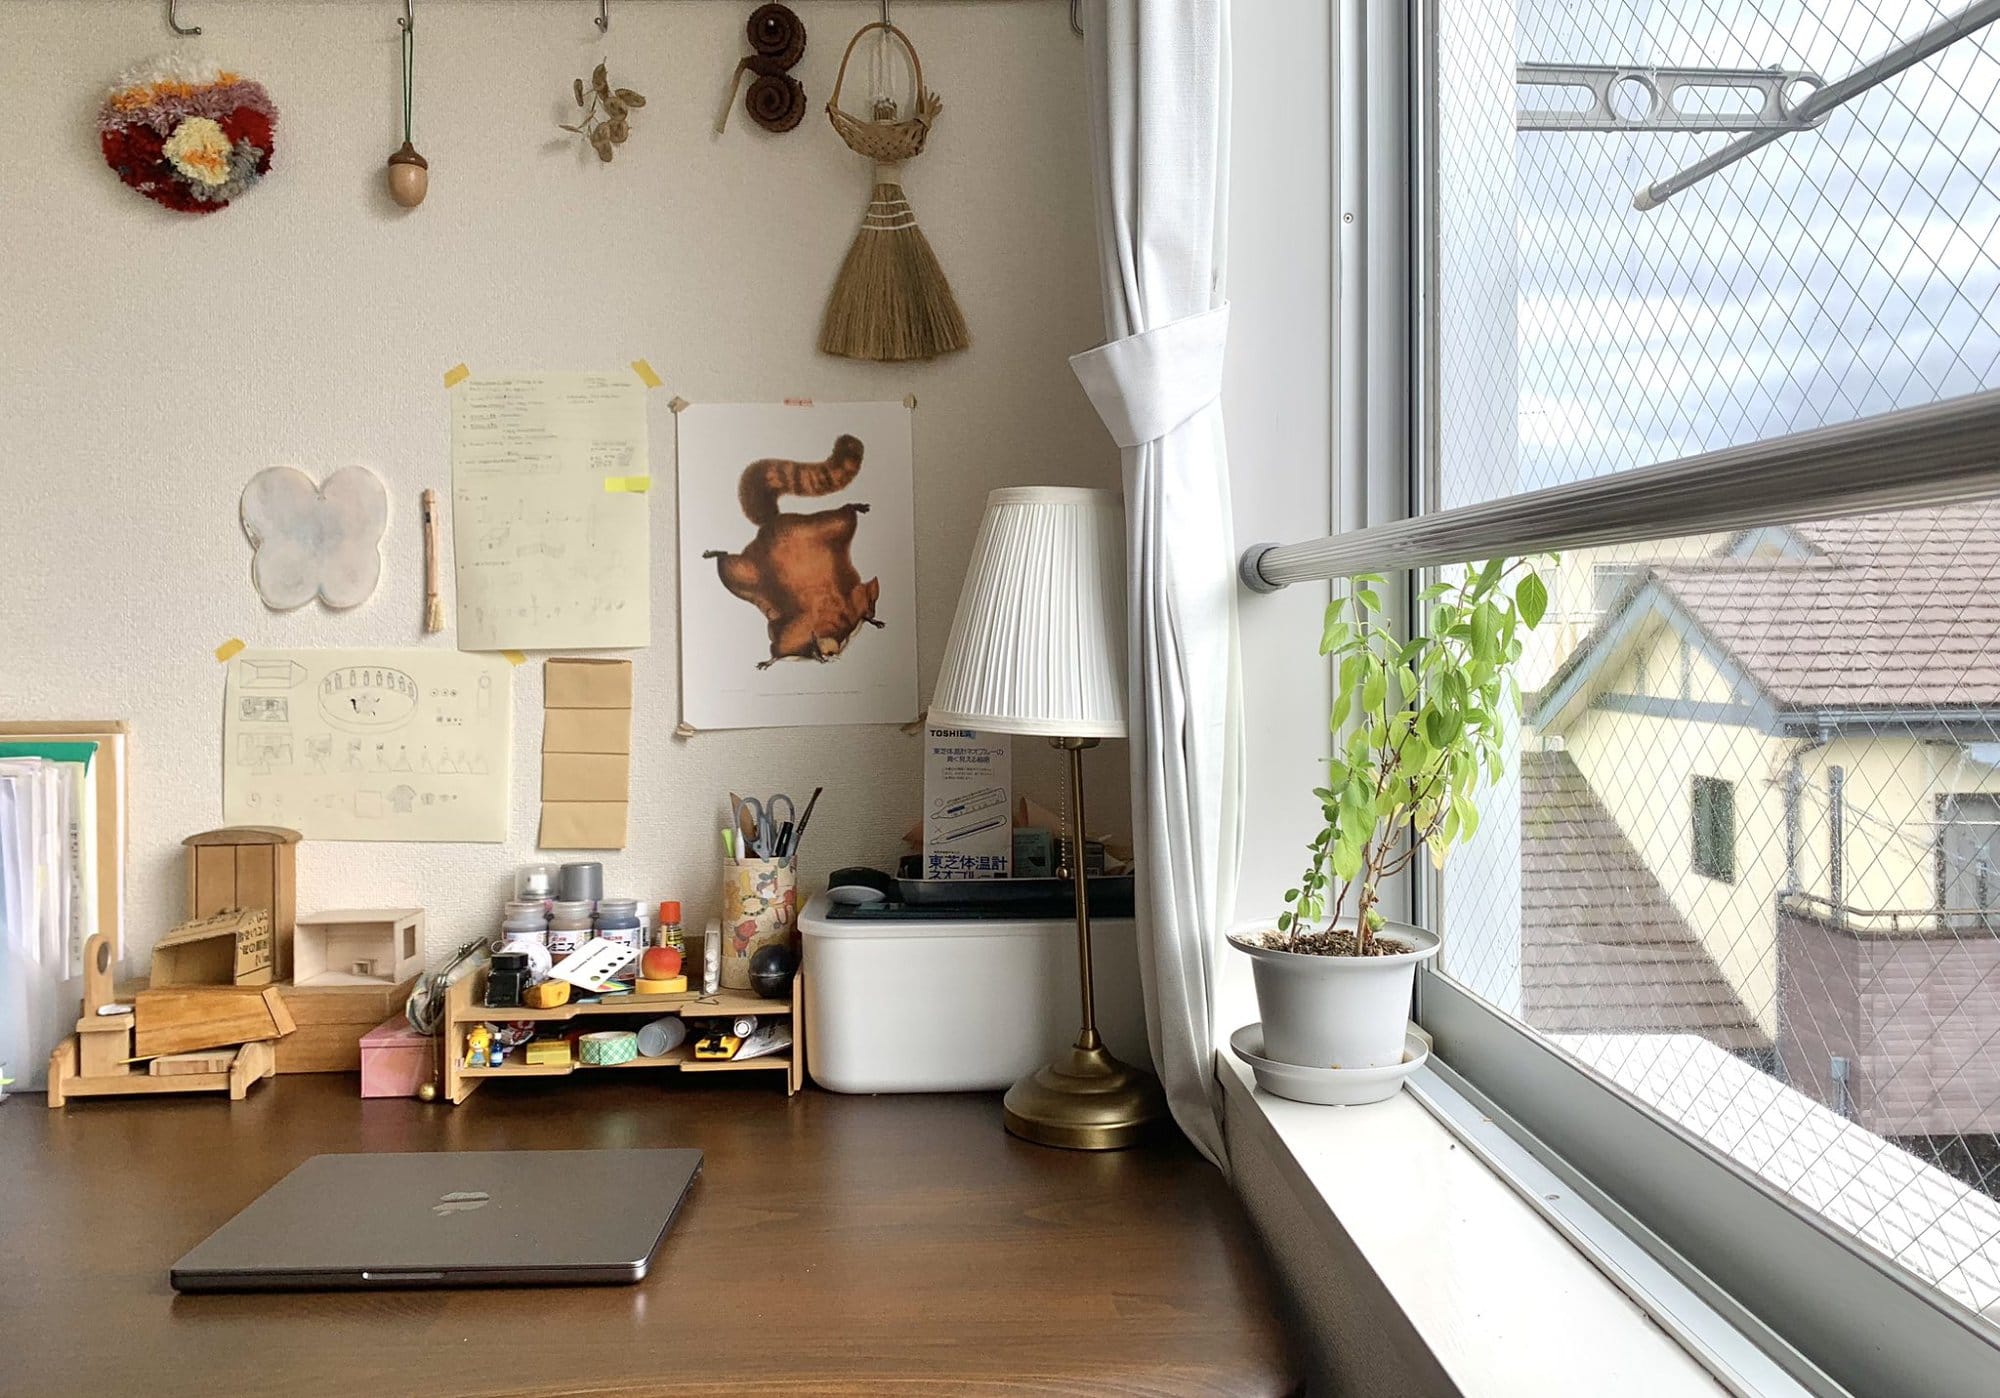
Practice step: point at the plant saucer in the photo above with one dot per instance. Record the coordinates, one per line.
(1329, 1087)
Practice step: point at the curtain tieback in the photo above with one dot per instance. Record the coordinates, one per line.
(1146, 385)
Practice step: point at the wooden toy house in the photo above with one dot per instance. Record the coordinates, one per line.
(358, 946)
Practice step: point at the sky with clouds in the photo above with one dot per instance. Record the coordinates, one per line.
(1838, 273)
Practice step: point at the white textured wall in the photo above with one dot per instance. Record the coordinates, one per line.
(150, 363)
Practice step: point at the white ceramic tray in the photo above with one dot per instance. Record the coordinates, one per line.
(1329, 1087)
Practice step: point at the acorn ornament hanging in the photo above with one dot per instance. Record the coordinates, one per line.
(891, 301)
(409, 173)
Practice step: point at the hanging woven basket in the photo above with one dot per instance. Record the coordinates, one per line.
(891, 301)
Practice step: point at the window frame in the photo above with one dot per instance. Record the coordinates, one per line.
(1834, 1314)
(1720, 864)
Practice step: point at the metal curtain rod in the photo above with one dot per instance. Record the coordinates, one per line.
(1938, 454)
(1872, 74)
(602, 19)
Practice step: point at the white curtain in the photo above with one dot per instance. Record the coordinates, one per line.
(1159, 106)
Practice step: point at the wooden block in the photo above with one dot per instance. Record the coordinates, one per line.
(321, 1048)
(102, 1054)
(178, 1020)
(247, 866)
(176, 1065)
(62, 1070)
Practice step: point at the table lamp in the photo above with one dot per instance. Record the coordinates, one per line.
(1038, 647)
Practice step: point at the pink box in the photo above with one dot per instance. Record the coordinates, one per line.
(396, 1060)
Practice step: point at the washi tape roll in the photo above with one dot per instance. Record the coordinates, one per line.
(607, 1048)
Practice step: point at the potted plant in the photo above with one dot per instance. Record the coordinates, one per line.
(1423, 721)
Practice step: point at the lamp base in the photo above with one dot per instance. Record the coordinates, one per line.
(1085, 1100)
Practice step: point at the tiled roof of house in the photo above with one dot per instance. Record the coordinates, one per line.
(1894, 611)
(1602, 948)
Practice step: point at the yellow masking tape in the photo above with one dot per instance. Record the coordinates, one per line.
(514, 657)
(228, 648)
(456, 375)
(645, 373)
(628, 485)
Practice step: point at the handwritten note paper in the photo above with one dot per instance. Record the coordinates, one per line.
(549, 476)
(369, 744)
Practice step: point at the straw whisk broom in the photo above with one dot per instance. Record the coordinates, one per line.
(891, 300)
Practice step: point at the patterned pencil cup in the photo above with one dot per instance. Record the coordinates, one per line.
(760, 908)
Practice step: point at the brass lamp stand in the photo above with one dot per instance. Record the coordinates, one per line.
(1086, 1099)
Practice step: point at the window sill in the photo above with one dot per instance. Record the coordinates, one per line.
(1504, 1302)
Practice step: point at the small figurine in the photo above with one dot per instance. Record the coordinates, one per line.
(479, 1047)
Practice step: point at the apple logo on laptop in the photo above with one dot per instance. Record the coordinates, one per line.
(460, 1201)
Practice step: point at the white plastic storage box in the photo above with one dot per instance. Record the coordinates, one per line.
(951, 1006)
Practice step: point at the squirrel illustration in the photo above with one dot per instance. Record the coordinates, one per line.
(798, 571)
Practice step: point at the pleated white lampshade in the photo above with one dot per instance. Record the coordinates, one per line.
(1038, 645)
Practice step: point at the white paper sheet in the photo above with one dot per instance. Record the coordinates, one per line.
(551, 552)
(369, 745)
(798, 564)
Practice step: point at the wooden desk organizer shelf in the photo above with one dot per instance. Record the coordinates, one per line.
(464, 1009)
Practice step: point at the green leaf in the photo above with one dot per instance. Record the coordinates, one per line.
(1532, 597)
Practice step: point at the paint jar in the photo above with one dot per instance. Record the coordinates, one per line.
(618, 921)
(667, 933)
(523, 918)
(582, 882)
(569, 928)
(536, 883)
(711, 958)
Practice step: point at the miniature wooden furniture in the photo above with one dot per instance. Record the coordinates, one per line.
(464, 1012)
(232, 948)
(358, 946)
(247, 866)
(101, 1058)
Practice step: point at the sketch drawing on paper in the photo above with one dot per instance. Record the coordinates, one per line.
(798, 564)
(396, 744)
(799, 570)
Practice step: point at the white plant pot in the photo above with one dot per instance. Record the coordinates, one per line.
(1335, 1011)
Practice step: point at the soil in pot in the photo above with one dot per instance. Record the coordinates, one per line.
(1335, 942)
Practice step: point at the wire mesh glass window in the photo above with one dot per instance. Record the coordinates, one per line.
(1744, 864)
(1712, 807)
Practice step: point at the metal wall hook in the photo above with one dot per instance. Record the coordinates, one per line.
(408, 23)
(604, 16)
(187, 31)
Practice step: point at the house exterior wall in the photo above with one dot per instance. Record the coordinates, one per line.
(1642, 768)
(1913, 1015)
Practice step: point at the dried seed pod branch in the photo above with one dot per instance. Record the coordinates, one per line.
(605, 123)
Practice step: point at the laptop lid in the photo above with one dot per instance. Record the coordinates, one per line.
(448, 1219)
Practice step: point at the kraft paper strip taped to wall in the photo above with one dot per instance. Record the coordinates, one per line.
(645, 373)
(456, 375)
(628, 485)
(228, 648)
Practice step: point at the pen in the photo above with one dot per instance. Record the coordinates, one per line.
(799, 835)
(728, 842)
(784, 839)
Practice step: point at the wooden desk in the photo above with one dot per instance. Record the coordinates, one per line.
(858, 1245)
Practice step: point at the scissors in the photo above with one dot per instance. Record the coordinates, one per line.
(764, 822)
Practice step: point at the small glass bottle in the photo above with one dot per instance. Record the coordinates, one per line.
(668, 933)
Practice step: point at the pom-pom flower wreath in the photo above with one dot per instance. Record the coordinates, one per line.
(187, 137)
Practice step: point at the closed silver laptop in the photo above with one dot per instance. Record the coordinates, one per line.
(449, 1218)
